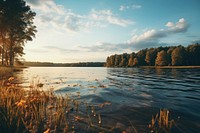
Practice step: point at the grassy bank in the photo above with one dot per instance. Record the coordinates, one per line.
(5, 72)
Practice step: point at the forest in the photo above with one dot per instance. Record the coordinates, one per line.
(49, 64)
(160, 56)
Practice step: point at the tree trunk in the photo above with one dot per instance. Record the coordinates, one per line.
(3, 49)
(11, 54)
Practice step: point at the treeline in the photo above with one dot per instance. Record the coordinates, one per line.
(49, 64)
(160, 56)
(16, 28)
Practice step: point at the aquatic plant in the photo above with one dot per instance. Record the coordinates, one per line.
(161, 122)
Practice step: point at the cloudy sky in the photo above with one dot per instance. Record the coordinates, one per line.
(91, 30)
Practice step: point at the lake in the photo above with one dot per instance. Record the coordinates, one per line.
(132, 95)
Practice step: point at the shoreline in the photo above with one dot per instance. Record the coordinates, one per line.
(6, 72)
(170, 67)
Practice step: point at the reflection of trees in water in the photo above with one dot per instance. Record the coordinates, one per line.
(174, 73)
(160, 71)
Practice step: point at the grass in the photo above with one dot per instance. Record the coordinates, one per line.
(161, 122)
(5, 72)
(44, 112)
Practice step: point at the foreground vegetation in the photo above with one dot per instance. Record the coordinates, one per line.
(161, 56)
(40, 111)
(5, 72)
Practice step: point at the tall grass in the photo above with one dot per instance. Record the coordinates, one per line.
(30, 111)
(41, 111)
(5, 71)
(161, 122)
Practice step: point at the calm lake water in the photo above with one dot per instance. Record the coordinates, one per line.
(135, 94)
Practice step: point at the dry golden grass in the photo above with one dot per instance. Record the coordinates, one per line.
(5, 71)
(161, 122)
(30, 111)
(41, 111)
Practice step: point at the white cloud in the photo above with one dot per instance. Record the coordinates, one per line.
(109, 17)
(169, 24)
(150, 38)
(46, 6)
(180, 26)
(136, 6)
(49, 14)
(122, 8)
(133, 6)
(153, 36)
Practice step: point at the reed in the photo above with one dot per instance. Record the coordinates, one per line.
(36, 110)
(161, 122)
(31, 111)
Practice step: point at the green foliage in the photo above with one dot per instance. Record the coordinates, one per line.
(179, 56)
(16, 28)
(161, 56)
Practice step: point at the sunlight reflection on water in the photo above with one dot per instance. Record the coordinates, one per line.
(131, 89)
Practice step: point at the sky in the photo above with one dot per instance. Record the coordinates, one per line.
(90, 30)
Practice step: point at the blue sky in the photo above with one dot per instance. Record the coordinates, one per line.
(91, 30)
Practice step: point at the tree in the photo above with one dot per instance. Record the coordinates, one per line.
(162, 59)
(194, 54)
(169, 53)
(179, 56)
(108, 62)
(131, 59)
(124, 60)
(16, 26)
(135, 62)
(141, 57)
(117, 60)
(151, 56)
(112, 60)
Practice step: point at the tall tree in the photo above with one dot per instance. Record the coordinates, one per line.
(117, 60)
(169, 53)
(151, 56)
(162, 59)
(17, 20)
(131, 59)
(194, 54)
(108, 62)
(124, 60)
(179, 56)
(141, 57)
(135, 62)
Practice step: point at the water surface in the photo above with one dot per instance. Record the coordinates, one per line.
(135, 94)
